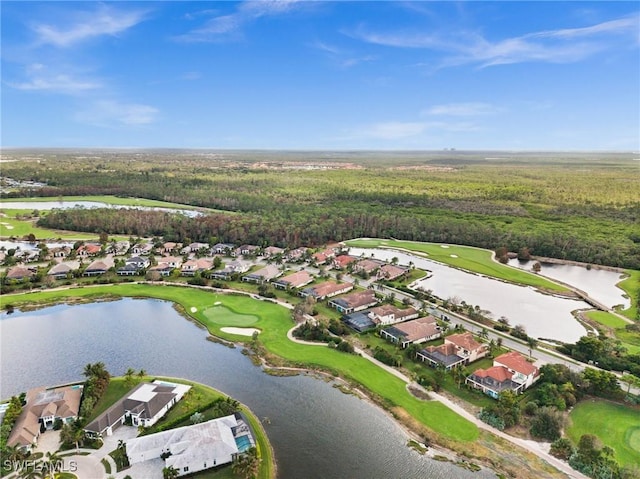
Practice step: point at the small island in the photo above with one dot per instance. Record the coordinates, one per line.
(132, 426)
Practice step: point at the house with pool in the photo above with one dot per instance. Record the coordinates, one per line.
(194, 448)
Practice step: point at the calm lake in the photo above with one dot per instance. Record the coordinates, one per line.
(316, 431)
(542, 315)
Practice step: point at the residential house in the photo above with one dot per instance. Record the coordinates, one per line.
(144, 405)
(60, 251)
(267, 273)
(354, 301)
(343, 261)
(510, 371)
(389, 272)
(196, 247)
(295, 280)
(322, 257)
(390, 314)
(247, 250)
(133, 266)
(118, 248)
(193, 266)
(62, 270)
(21, 273)
(413, 332)
(270, 251)
(142, 249)
(457, 349)
(328, 289)
(96, 268)
(43, 407)
(166, 264)
(296, 255)
(189, 449)
(359, 321)
(367, 266)
(231, 268)
(170, 247)
(89, 249)
(223, 248)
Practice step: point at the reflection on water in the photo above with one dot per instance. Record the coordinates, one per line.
(600, 284)
(316, 431)
(543, 316)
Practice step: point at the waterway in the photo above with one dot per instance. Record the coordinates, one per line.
(542, 315)
(316, 430)
(50, 205)
(600, 284)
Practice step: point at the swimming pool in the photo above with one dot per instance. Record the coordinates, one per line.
(244, 443)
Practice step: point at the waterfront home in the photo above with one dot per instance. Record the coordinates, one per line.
(189, 449)
(231, 268)
(144, 406)
(342, 261)
(390, 314)
(367, 266)
(389, 272)
(89, 249)
(413, 332)
(354, 301)
(193, 266)
(21, 273)
(60, 251)
(43, 407)
(328, 289)
(457, 349)
(509, 371)
(62, 270)
(359, 321)
(96, 268)
(133, 266)
(173, 261)
(295, 280)
(267, 273)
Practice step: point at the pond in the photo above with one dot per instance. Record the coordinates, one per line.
(316, 430)
(50, 205)
(600, 284)
(542, 315)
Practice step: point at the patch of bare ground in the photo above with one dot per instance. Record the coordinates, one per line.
(419, 393)
(488, 450)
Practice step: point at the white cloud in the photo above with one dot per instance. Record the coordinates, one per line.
(104, 21)
(115, 113)
(342, 58)
(463, 109)
(397, 130)
(41, 78)
(552, 46)
(228, 26)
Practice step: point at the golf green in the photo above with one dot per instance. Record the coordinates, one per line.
(226, 317)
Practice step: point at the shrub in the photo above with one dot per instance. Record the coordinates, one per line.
(562, 449)
(531, 408)
(345, 347)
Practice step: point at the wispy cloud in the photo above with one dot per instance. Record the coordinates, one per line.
(116, 113)
(339, 56)
(40, 78)
(103, 21)
(224, 27)
(463, 109)
(552, 46)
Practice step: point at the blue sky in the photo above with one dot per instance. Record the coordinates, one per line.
(322, 75)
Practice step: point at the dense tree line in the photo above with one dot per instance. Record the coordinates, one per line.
(607, 353)
(556, 211)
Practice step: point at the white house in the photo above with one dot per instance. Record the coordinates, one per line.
(389, 314)
(192, 448)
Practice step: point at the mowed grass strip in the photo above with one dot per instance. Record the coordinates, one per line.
(616, 425)
(227, 317)
(471, 259)
(275, 321)
(606, 319)
(11, 226)
(631, 286)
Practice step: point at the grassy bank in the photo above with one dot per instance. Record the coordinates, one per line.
(631, 286)
(12, 226)
(475, 260)
(616, 425)
(617, 327)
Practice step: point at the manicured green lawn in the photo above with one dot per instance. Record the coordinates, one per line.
(631, 287)
(116, 389)
(228, 317)
(11, 226)
(274, 322)
(630, 340)
(608, 319)
(465, 257)
(616, 425)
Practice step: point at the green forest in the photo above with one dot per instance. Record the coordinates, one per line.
(571, 207)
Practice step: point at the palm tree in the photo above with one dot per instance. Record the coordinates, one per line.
(532, 344)
(458, 374)
(169, 472)
(142, 373)
(247, 464)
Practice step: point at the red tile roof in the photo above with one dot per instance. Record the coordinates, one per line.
(517, 362)
(499, 373)
(465, 341)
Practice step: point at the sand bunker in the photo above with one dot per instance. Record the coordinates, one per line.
(217, 303)
(443, 246)
(240, 331)
(453, 255)
(194, 309)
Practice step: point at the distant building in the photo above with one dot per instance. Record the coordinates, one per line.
(413, 332)
(328, 289)
(509, 371)
(295, 280)
(457, 349)
(389, 314)
(267, 273)
(354, 301)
